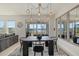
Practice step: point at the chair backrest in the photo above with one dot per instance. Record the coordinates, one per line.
(38, 43)
(38, 48)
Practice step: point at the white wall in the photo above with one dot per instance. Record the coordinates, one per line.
(52, 26)
(65, 9)
(21, 31)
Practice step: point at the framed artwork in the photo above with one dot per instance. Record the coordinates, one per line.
(20, 25)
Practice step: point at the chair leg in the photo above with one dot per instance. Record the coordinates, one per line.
(56, 47)
(34, 53)
(42, 53)
(21, 48)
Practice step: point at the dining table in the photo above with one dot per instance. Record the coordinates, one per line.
(25, 42)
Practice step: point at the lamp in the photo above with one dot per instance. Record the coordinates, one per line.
(39, 8)
(39, 13)
(50, 10)
(31, 15)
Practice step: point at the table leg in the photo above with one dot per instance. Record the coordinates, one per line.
(51, 48)
(25, 48)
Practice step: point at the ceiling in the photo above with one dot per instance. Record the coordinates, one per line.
(21, 8)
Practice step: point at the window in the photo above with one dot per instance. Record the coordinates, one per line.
(43, 26)
(77, 28)
(62, 25)
(71, 25)
(77, 24)
(1, 25)
(11, 26)
(58, 26)
(31, 26)
(34, 25)
(38, 28)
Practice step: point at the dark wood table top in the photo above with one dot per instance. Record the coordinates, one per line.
(34, 38)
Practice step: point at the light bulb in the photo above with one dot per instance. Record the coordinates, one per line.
(28, 11)
(39, 14)
(50, 13)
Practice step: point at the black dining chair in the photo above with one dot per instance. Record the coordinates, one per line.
(46, 43)
(38, 48)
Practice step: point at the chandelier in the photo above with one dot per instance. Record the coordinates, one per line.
(39, 8)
